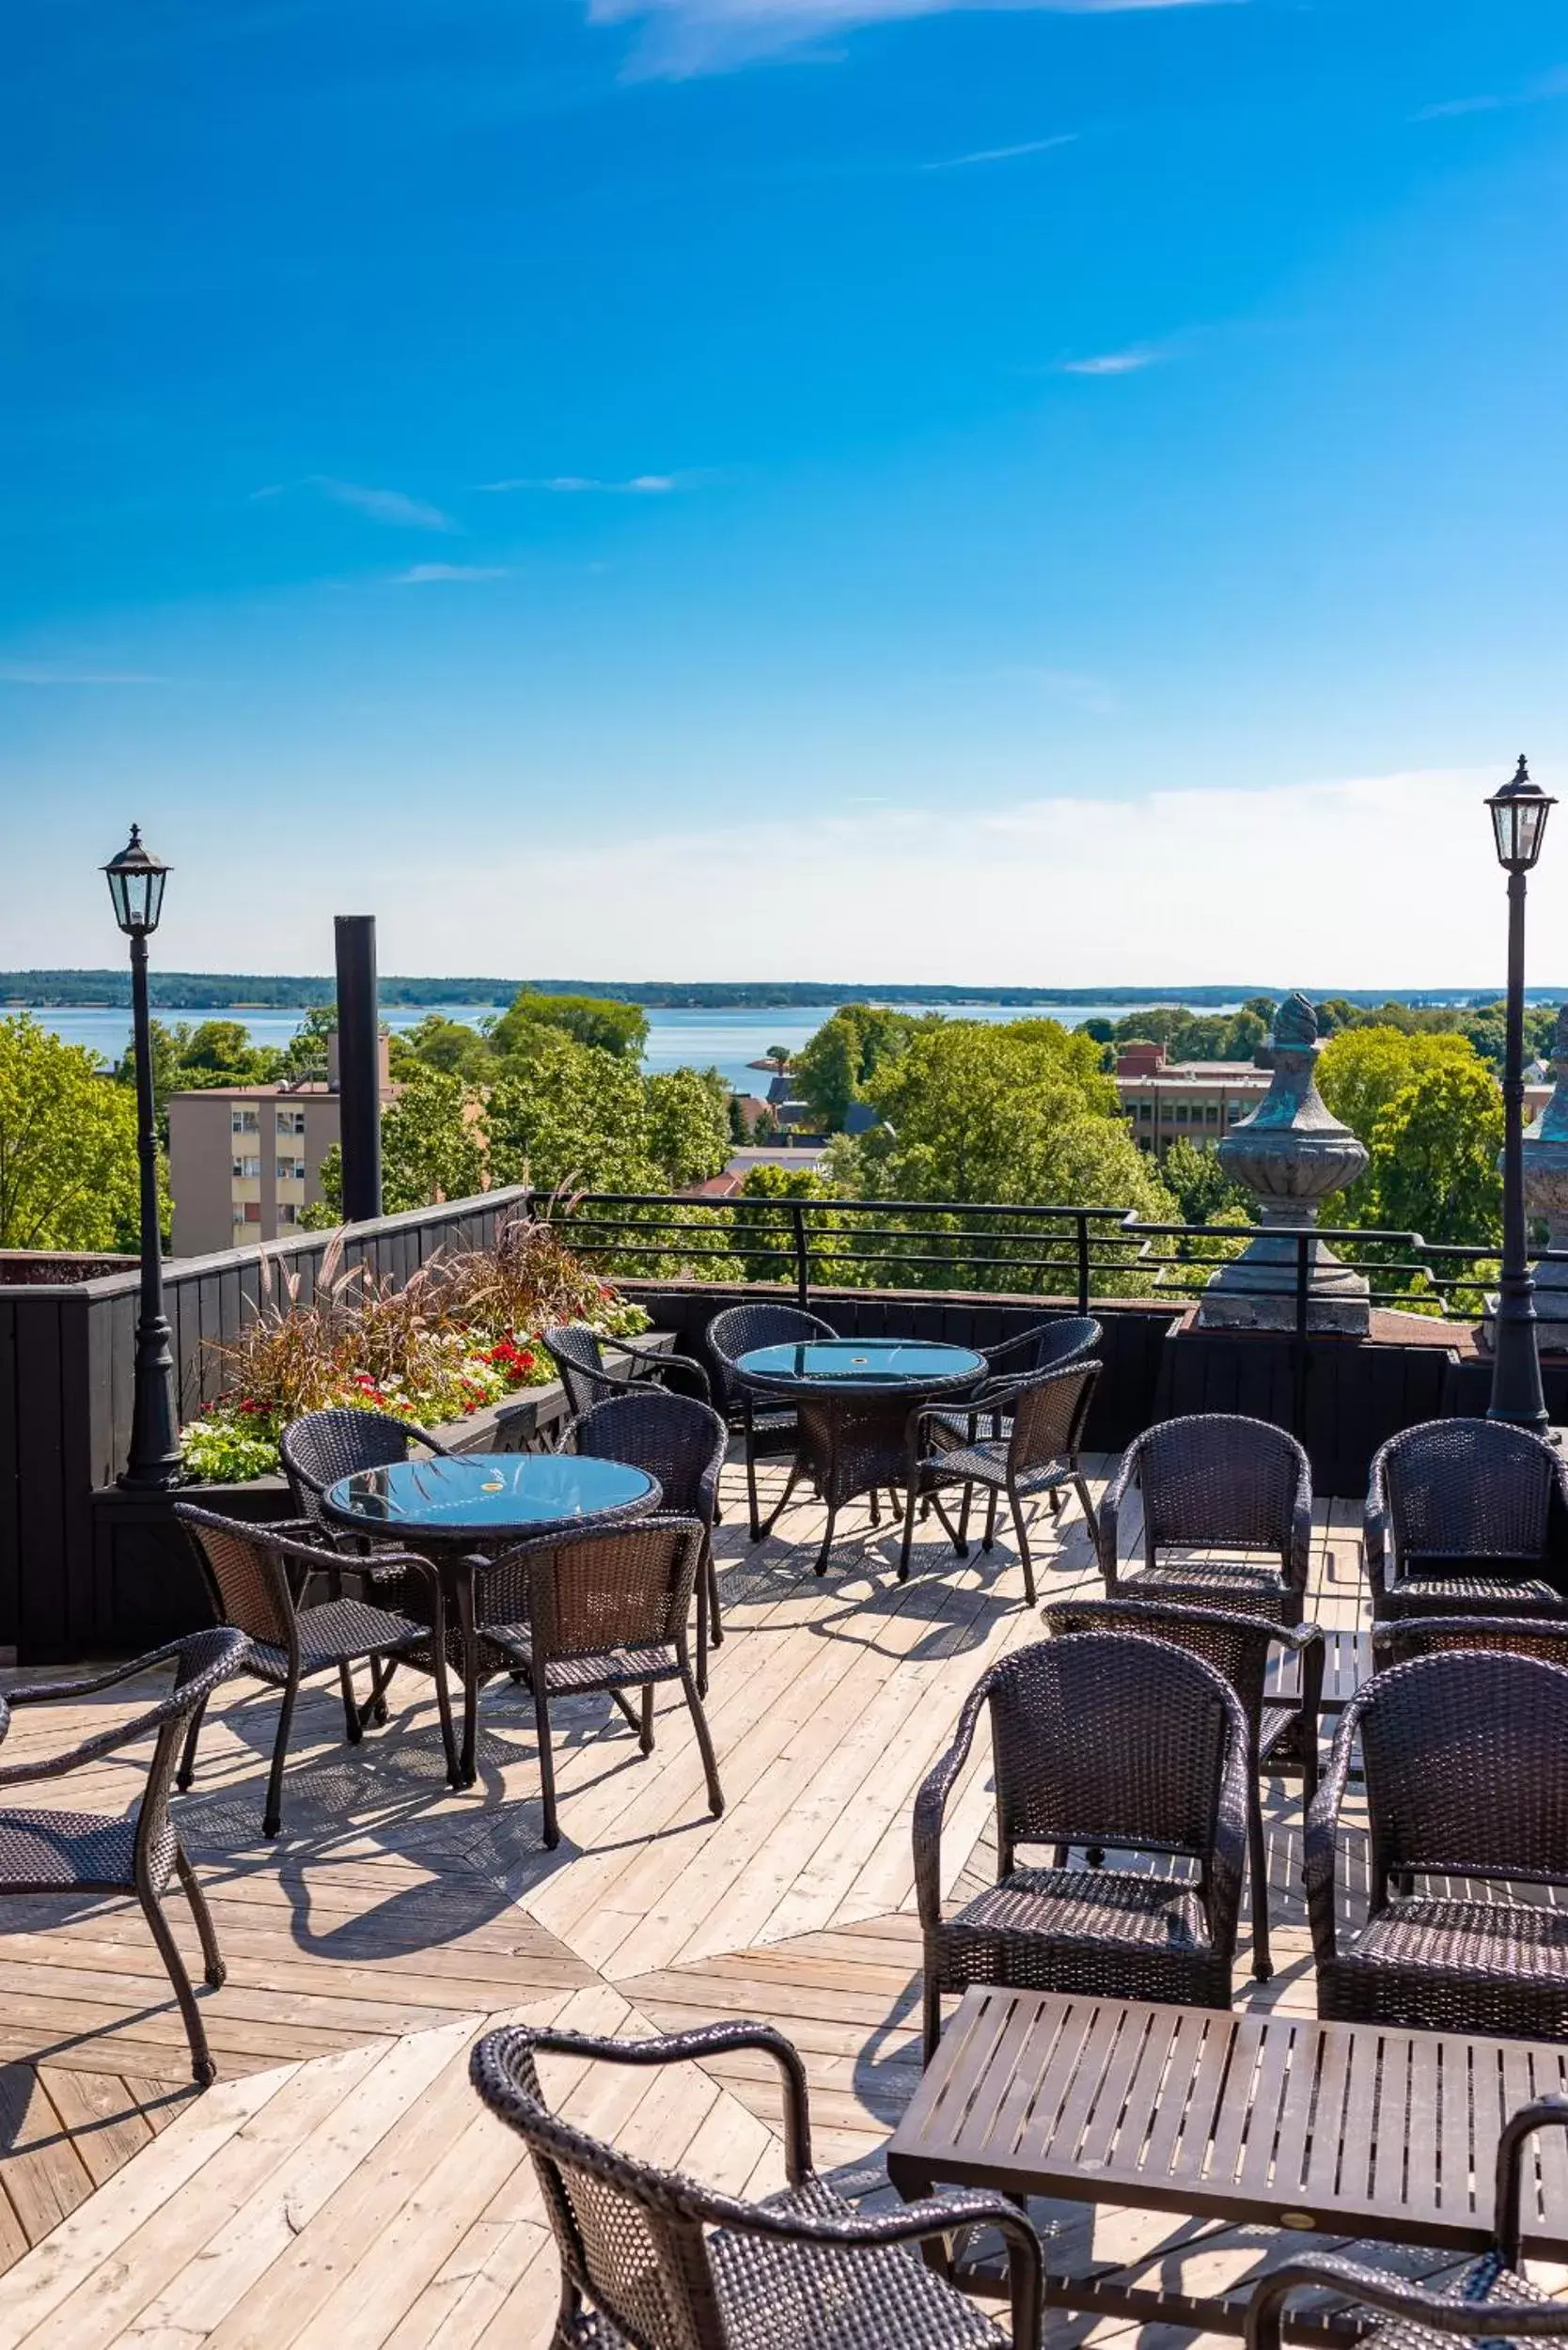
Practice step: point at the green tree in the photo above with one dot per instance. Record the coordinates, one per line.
(688, 1125)
(602, 1020)
(433, 1140)
(1361, 1070)
(305, 1055)
(449, 1045)
(1201, 1188)
(67, 1144)
(562, 1113)
(838, 1064)
(1435, 1155)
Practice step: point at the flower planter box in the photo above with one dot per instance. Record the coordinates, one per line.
(149, 1584)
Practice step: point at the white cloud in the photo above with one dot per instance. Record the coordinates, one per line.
(1110, 362)
(684, 36)
(385, 505)
(1293, 886)
(430, 574)
(1002, 154)
(37, 673)
(642, 485)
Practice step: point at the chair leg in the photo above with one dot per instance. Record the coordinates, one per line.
(705, 1738)
(930, 2017)
(546, 1766)
(1022, 1533)
(990, 1541)
(826, 1551)
(877, 1508)
(203, 2071)
(781, 1504)
(354, 1729)
(186, 1772)
(444, 1706)
(751, 1480)
(1263, 1964)
(272, 1819)
(961, 1540)
(702, 1605)
(211, 1957)
(716, 1616)
(645, 1734)
(908, 1529)
(1091, 1519)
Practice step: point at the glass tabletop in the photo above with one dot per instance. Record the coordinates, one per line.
(865, 1362)
(489, 1492)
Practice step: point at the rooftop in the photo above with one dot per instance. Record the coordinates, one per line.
(339, 2185)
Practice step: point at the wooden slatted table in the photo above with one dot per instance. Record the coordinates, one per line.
(1274, 2121)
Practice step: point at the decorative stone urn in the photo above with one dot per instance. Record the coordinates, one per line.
(1292, 1153)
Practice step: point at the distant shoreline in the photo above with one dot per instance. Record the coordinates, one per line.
(241, 992)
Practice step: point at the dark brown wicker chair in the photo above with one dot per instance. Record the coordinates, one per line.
(1463, 1754)
(578, 1354)
(1404, 1638)
(1216, 1480)
(320, 1447)
(84, 1852)
(254, 1574)
(652, 2258)
(1114, 1742)
(604, 1609)
(1464, 1517)
(1044, 1346)
(768, 1427)
(681, 1443)
(1284, 1737)
(1039, 1454)
(1486, 2298)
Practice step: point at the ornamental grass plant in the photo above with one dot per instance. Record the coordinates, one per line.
(463, 1332)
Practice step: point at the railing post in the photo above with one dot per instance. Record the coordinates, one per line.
(803, 1254)
(1303, 1280)
(1083, 1261)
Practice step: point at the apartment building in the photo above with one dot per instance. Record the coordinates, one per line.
(246, 1161)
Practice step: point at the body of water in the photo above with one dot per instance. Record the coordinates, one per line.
(726, 1040)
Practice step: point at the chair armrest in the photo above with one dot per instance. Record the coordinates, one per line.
(932, 1802)
(180, 1704)
(1375, 2288)
(1301, 1530)
(1110, 1512)
(657, 1362)
(422, 1435)
(1323, 1820)
(1227, 1866)
(673, 2047)
(1517, 2131)
(47, 1692)
(1374, 1524)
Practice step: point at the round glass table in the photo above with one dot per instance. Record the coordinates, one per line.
(854, 1399)
(489, 1496)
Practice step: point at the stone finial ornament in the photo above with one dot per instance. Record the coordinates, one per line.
(1291, 1155)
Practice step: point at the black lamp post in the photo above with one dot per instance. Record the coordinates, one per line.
(135, 881)
(1519, 813)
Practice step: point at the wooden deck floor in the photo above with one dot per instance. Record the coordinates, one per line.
(340, 2187)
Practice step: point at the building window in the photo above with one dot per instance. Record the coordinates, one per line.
(245, 1168)
(287, 1212)
(239, 1212)
(1145, 1111)
(253, 1210)
(1210, 1116)
(290, 1171)
(290, 1121)
(1233, 1111)
(246, 1122)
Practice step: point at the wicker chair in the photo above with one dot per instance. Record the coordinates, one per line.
(1463, 1754)
(1486, 2298)
(667, 2263)
(604, 1609)
(1283, 1736)
(254, 1574)
(1104, 1740)
(681, 1443)
(1405, 1637)
(84, 1852)
(1039, 1454)
(320, 1447)
(1216, 1480)
(768, 1428)
(1463, 1516)
(578, 1354)
(1044, 1346)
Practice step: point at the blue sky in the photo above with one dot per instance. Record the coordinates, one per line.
(842, 488)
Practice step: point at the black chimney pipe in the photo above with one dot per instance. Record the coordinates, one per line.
(358, 1064)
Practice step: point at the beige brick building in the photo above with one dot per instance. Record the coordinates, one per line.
(246, 1161)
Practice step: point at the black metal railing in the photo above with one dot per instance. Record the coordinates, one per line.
(1071, 1253)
